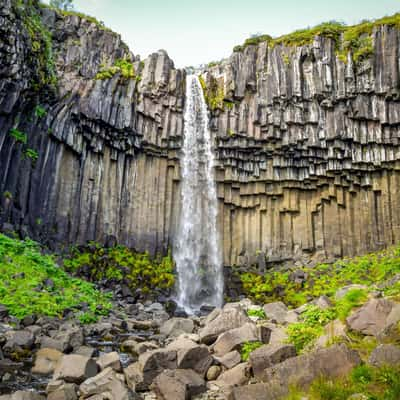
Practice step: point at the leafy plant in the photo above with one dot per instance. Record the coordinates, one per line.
(7, 195)
(260, 313)
(247, 348)
(19, 136)
(31, 154)
(40, 111)
(121, 66)
(23, 290)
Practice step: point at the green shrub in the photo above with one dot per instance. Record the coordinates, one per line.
(19, 136)
(260, 313)
(118, 263)
(121, 66)
(213, 93)
(24, 270)
(40, 111)
(247, 348)
(31, 154)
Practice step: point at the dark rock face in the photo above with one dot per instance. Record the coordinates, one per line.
(107, 165)
(306, 144)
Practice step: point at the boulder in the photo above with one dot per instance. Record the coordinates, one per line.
(390, 332)
(65, 391)
(110, 360)
(23, 395)
(177, 326)
(86, 351)
(68, 338)
(46, 361)
(258, 391)
(385, 354)
(268, 355)
(276, 312)
(370, 319)
(108, 383)
(229, 360)
(222, 321)
(234, 338)
(340, 293)
(301, 371)
(237, 376)
(191, 355)
(17, 340)
(75, 368)
(179, 384)
(141, 374)
(332, 331)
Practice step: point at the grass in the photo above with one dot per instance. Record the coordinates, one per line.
(120, 263)
(325, 279)
(23, 289)
(356, 39)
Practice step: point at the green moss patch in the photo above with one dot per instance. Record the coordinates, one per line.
(122, 66)
(32, 283)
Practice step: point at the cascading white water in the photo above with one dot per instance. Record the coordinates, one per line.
(197, 249)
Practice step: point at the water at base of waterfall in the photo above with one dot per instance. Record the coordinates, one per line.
(197, 251)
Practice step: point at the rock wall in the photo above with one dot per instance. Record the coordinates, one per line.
(108, 163)
(308, 150)
(307, 145)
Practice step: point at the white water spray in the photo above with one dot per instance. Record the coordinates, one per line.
(197, 249)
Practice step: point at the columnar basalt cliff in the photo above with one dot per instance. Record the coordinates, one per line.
(308, 149)
(306, 142)
(107, 165)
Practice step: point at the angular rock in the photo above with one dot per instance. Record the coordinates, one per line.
(75, 368)
(179, 384)
(66, 391)
(268, 355)
(385, 354)
(109, 360)
(237, 376)
(276, 312)
(23, 339)
(221, 322)
(234, 338)
(46, 361)
(107, 383)
(177, 326)
(332, 331)
(229, 360)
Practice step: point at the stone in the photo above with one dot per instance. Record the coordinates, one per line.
(340, 293)
(110, 360)
(107, 383)
(86, 351)
(179, 384)
(333, 331)
(237, 376)
(268, 355)
(191, 355)
(177, 326)
(22, 339)
(213, 372)
(385, 354)
(370, 319)
(66, 391)
(332, 362)
(229, 360)
(276, 312)
(257, 391)
(46, 361)
(75, 368)
(234, 338)
(23, 395)
(222, 321)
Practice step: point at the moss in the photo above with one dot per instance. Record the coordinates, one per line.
(121, 66)
(355, 39)
(41, 44)
(213, 93)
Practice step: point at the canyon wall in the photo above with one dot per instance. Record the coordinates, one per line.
(307, 145)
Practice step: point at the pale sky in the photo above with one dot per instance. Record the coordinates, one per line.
(195, 32)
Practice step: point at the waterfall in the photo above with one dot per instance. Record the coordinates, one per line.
(197, 249)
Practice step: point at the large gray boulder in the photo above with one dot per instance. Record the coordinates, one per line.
(110, 360)
(179, 384)
(191, 355)
(177, 326)
(229, 360)
(75, 368)
(234, 338)
(222, 321)
(385, 354)
(276, 312)
(237, 376)
(370, 319)
(268, 355)
(108, 383)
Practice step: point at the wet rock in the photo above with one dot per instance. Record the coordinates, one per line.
(46, 361)
(111, 360)
(268, 355)
(75, 368)
(109, 384)
(179, 384)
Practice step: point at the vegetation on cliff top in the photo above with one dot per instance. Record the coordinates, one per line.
(121, 66)
(33, 284)
(355, 39)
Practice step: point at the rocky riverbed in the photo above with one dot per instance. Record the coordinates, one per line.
(140, 351)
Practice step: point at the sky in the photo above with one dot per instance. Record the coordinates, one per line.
(195, 32)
